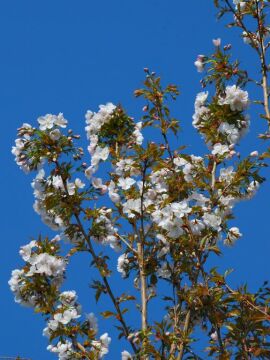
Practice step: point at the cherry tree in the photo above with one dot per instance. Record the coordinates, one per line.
(162, 210)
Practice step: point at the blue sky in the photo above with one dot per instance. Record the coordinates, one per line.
(70, 56)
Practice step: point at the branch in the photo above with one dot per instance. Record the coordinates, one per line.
(243, 26)
(104, 278)
(263, 65)
(142, 263)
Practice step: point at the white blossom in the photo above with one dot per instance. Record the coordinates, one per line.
(46, 264)
(227, 174)
(137, 133)
(125, 355)
(68, 297)
(232, 235)
(196, 226)
(97, 184)
(67, 316)
(95, 121)
(254, 153)
(230, 131)
(131, 206)
(220, 149)
(102, 345)
(165, 246)
(92, 321)
(214, 336)
(217, 42)
(212, 220)
(235, 97)
(55, 134)
(63, 349)
(163, 271)
(26, 250)
(126, 183)
(121, 263)
(114, 196)
(100, 153)
(49, 121)
(199, 63)
(79, 184)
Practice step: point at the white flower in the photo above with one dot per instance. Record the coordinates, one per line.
(93, 144)
(67, 316)
(97, 184)
(68, 297)
(101, 153)
(124, 165)
(71, 188)
(46, 264)
(125, 355)
(166, 246)
(200, 99)
(217, 42)
(214, 336)
(178, 161)
(102, 345)
(199, 63)
(49, 120)
(56, 238)
(46, 122)
(196, 226)
(79, 184)
(233, 235)
(121, 262)
(131, 206)
(126, 183)
(235, 97)
(57, 182)
(252, 188)
(26, 250)
(199, 198)
(226, 174)
(180, 209)
(95, 121)
(254, 153)
(174, 228)
(220, 149)
(239, 3)
(114, 196)
(164, 272)
(246, 38)
(15, 279)
(201, 113)
(231, 131)
(63, 349)
(55, 134)
(92, 321)
(59, 120)
(212, 220)
(137, 133)
(90, 171)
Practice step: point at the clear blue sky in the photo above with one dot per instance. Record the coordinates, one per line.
(70, 56)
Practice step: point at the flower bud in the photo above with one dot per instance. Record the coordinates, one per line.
(217, 42)
(254, 153)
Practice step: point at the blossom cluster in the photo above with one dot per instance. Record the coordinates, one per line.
(37, 285)
(43, 266)
(223, 117)
(44, 188)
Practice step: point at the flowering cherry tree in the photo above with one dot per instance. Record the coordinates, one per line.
(164, 212)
